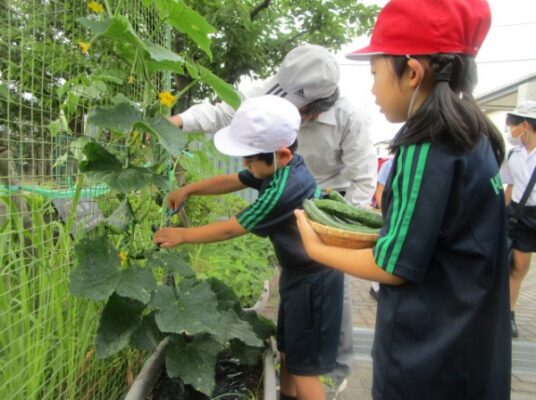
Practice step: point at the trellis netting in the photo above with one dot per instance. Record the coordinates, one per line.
(46, 335)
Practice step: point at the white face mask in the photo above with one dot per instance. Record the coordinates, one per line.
(275, 164)
(514, 141)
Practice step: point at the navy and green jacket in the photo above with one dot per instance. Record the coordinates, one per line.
(445, 333)
(272, 214)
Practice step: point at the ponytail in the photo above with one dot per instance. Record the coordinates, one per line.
(450, 114)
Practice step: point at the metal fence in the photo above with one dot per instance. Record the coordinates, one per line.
(46, 335)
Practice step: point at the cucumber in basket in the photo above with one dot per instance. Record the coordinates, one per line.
(317, 215)
(350, 213)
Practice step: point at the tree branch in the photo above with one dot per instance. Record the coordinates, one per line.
(258, 8)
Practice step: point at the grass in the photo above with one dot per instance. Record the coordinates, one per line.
(46, 335)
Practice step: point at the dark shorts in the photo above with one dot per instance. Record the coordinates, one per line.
(523, 233)
(309, 320)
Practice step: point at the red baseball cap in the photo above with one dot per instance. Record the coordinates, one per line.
(421, 27)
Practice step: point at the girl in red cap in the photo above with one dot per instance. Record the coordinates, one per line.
(443, 319)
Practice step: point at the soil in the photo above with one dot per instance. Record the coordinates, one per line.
(233, 382)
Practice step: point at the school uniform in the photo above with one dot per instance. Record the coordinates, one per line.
(309, 318)
(445, 333)
(516, 171)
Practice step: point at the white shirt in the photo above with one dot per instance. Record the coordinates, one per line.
(517, 170)
(337, 148)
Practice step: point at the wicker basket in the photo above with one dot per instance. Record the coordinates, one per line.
(339, 238)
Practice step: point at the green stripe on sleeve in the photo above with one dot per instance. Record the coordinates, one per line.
(265, 204)
(404, 202)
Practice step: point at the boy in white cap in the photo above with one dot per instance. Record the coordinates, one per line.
(518, 173)
(264, 131)
(335, 143)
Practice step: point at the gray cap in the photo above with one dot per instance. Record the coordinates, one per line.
(527, 109)
(307, 73)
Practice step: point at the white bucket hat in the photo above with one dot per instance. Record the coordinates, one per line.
(261, 125)
(307, 73)
(527, 109)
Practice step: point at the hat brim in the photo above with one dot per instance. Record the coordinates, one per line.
(272, 86)
(364, 54)
(225, 144)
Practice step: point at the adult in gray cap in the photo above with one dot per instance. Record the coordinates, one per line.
(517, 172)
(334, 140)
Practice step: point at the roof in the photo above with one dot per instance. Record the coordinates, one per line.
(503, 98)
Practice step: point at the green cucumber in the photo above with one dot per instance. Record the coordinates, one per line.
(345, 211)
(317, 215)
(336, 196)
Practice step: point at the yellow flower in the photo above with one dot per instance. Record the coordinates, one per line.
(96, 7)
(123, 257)
(130, 79)
(167, 99)
(84, 47)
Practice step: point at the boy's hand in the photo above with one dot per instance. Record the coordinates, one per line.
(169, 237)
(309, 237)
(177, 198)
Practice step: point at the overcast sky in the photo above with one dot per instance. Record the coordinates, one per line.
(508, 53)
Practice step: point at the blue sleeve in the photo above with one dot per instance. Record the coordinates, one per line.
(414, 211)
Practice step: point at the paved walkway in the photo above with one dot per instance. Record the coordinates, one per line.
(364, 316)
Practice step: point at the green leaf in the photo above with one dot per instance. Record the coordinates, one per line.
(227, 298)
(169, 136)
(194, 362)
(162, 54)
(136, 283)
(246, 354)
(263, 327)
(120, 117)
(98, 271)
(116, 76)
(229, 326)
(189, 309)
(171, 262)
(119, 319)
(147, 336)
(104, 167)
(124, 117)
(122, 218)
(188, 21)
(117, 28)
(223, 90)
(4, 92)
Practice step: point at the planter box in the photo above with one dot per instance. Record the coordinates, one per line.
(153, 368)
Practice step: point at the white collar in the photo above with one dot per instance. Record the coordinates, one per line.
(328, 117)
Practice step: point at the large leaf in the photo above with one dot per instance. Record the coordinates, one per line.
(104, 167)
(147, 336)
(120, 117)
(119, 319)
(246, 354)
(98, 273)
(194, 362)
(136, 283)
(186, 20)
(124, 117)
(263, 327)
(171, 262)
(169, 136)
(229, 326)
(117, 28)
(227, 298)
(190, 310)
(224, 91)
(122, 218)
